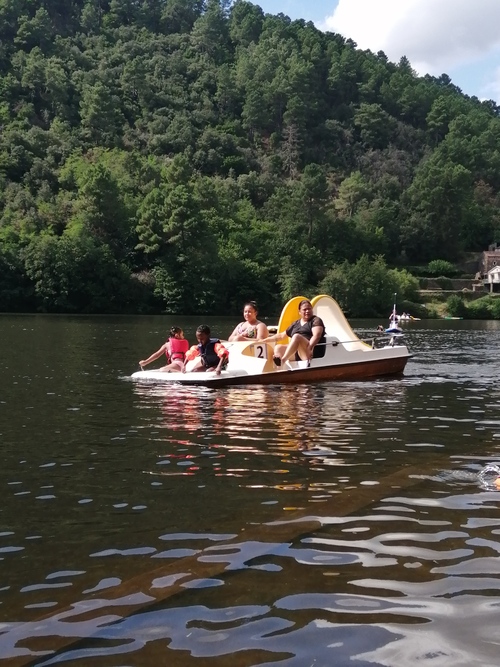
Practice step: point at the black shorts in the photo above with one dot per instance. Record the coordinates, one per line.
(318, 352)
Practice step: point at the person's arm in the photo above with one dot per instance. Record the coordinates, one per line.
(223, 354)
(274, 338)
(218, 369)
(317, 333)
(235, 335)
(192, 353)
(262, 331)
(154, 356)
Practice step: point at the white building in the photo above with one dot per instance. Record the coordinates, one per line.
(493, 279)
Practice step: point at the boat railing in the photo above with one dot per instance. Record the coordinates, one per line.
(350, 344)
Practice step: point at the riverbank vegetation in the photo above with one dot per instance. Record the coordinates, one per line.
(186, 155)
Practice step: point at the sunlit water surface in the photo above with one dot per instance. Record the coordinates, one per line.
(330, 524)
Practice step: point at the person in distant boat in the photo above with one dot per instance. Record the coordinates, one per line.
(174, 349)
(251, 328)
(209, 355)
(380, 328)
(307, 337)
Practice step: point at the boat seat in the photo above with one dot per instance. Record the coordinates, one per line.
(337, 327)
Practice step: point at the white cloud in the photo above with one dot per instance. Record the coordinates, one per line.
(435, 35)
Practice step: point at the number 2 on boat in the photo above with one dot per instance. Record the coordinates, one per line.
(260, 351)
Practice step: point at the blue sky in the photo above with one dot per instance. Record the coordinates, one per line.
(458, 37)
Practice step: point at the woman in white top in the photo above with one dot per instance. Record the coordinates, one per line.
(251, 328)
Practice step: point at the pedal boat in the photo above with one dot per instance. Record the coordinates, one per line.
(346, 356)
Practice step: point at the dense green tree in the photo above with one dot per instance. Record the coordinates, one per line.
(179, 16)
(73, 273)
(445, 108)
(439, 203)
(245, 23)
(314, 191)
(16, 291)
(374, 124)
(354, 193)
(101, 117)
(36, 31)
(379, 286)
(210, 33)
(91, 17)
(101, 210)
(343, 77)
(177, 238)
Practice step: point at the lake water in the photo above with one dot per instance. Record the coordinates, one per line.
(330, 524)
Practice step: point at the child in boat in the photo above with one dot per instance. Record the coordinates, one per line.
(174, 349)
(209, 355)
(251, 328)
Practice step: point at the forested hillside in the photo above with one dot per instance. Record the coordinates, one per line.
(186, 155)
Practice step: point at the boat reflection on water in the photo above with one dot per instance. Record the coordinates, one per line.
(232, 432)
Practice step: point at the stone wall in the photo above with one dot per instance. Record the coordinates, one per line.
(456, 284)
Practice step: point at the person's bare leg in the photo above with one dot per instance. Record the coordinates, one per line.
(297, 344)
(279, 350)
(292, 347)
(174, 367)
(198, 367)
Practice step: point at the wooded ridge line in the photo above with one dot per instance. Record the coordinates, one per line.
(185, 156)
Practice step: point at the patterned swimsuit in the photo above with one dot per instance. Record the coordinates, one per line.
(248, 330)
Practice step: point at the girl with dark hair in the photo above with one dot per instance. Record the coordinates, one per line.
(251, 328)
(174, 349)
